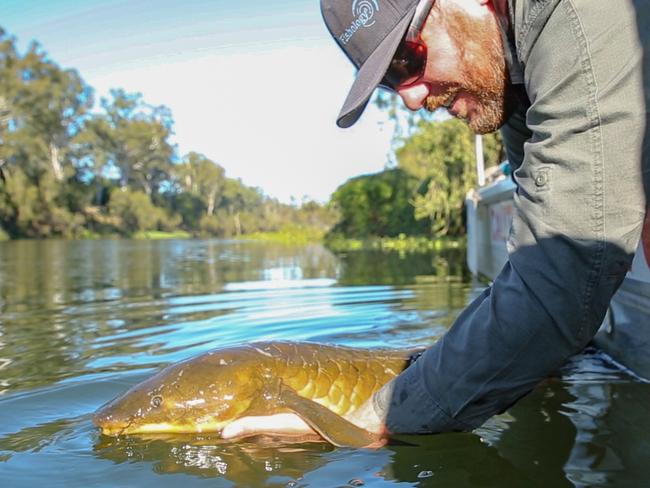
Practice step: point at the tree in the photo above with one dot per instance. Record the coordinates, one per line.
(65, 169)
(199, 176)
(238, 201)
(378, 205)
(132, 137)
(441, 155)
(135, 210)
(42, 107)
(47, 107)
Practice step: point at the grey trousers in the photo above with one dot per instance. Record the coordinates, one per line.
(581, 152)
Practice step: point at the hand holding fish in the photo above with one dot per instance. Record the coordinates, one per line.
(290, 424)
(273, 388)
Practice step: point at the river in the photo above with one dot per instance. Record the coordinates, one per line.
(81, 321)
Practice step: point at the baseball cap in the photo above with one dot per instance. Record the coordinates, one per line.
(369, 32)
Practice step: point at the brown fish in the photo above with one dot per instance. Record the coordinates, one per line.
(322, 384)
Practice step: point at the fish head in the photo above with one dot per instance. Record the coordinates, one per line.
(200, 395)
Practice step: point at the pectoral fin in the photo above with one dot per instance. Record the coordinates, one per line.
(334, 428)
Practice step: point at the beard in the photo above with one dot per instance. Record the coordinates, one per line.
(484, 76)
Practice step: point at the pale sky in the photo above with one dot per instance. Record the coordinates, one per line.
(255, 86)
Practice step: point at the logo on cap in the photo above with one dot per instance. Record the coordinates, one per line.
(363, 12)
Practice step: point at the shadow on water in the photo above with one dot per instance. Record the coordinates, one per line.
(34, 439)
(584, 428)
(377, 267)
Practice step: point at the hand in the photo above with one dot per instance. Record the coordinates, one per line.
(367, 418)
(291, 425)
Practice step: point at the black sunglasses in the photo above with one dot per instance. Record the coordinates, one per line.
(410, 59)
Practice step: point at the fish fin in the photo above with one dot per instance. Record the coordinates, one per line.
(334, 428)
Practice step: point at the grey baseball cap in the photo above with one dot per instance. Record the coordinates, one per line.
(369, 32)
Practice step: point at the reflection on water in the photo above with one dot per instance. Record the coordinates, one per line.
(80, 322)
(259, 462)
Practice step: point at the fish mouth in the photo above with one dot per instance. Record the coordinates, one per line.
(111, 426)
(115, 429)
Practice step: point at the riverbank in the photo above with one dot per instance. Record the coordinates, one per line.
(401, 243)
(293, 235)
(158, 235)
(297, 236)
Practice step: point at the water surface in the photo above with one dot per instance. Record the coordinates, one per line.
(80, 322)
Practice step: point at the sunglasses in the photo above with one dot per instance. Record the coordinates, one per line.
(410, 59)
(407, 66)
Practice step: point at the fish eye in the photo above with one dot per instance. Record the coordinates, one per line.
(156, 401)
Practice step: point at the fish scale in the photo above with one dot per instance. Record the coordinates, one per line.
(356, 379)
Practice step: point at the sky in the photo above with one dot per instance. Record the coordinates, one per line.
(255, 86)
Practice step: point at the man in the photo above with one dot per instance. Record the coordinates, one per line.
(567, 82)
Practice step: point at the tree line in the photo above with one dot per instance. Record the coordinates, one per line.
(424, 193)
(70, 169)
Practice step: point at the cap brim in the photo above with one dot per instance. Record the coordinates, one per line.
(371, 73)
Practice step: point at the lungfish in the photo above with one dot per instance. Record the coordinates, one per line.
(321, 384)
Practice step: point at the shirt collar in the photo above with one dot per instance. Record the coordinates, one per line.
(504, 10)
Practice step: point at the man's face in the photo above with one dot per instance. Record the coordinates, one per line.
(465, 70)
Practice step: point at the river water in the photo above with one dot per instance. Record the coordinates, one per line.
(80, 322)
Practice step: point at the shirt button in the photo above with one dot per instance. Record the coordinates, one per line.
(541, 179)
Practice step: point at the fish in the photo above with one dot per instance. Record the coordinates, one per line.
(322, 384)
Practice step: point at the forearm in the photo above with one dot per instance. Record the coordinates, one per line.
(500, 347)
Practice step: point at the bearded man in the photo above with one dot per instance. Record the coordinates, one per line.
(567, 82)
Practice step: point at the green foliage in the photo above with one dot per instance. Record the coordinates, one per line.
(190, 208)
(74, 172)
(133, 138)
(401, 244)
(441, 155)
(71, 171)
(29, 209)
(378, 205)
(44, 108)
(289, 235)
(202, 179)
(212, 225)
(135, 210)
(158, 235)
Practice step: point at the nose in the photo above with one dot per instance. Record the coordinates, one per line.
(414, 95)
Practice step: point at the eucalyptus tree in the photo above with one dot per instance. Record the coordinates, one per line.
(242, 204)
(46, 106)
(42, 108)
(8, 77)
(131, 139)
(202, 177)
